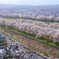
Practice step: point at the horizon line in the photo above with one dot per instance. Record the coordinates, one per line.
(29, 5)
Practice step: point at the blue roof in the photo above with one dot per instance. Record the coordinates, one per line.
(13, 46)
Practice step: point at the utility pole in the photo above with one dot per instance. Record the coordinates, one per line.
(11, 37)
(29, 43)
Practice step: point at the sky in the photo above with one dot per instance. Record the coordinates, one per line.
(30, 2)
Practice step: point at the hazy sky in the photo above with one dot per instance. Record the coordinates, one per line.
(30, 2)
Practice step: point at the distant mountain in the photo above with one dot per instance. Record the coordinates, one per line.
(28, 6)
(48, 6)
(13, 6)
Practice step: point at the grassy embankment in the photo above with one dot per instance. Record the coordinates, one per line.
(31, 19)
(32, 35)
(47, 21)
(9, 18)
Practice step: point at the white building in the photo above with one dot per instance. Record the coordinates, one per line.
(2, 53)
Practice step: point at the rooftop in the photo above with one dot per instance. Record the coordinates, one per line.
(1, 50)
(2, 35)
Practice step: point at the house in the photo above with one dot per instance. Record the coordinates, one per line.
(14, 51)
(2, 37)
(2, 53)
(2, 46)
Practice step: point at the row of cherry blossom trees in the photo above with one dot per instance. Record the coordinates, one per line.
(40, 29)
(26, 16)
